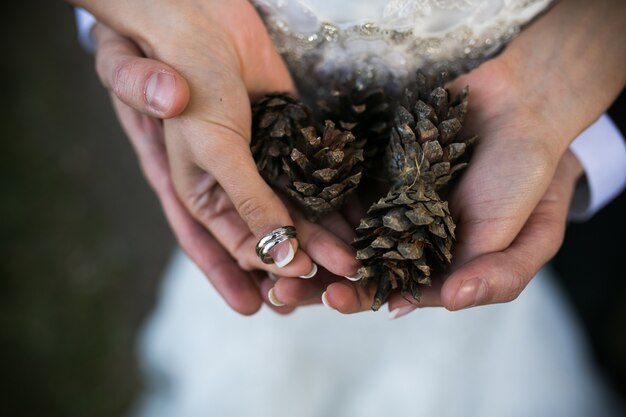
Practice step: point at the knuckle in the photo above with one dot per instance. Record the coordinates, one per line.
(123, 80)
(207, 202)
(516, 283)
(351, 301)
(253, 211)
(344, 305)
(245, 263)
(106, 54)
(246, 260)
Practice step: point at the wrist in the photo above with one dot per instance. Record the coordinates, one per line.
(570, 65)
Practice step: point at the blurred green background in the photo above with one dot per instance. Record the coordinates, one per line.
(83, 240)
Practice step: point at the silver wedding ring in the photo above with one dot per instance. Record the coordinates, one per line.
(273, 238)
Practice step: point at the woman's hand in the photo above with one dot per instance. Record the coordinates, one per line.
(223, 51)
(133, 82)
(131, 79)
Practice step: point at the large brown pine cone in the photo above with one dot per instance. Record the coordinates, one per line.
(408, 235)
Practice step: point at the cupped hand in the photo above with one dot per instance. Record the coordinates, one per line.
(134, 83)
(130, 78)
(527, 105)
(510, 206)
(223, 51)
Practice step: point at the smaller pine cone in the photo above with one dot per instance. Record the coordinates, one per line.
(365, 111)
(324, 169)
(403, 237)
(425, 138)
(276, 120)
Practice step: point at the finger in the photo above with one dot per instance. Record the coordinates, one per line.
(272, 300)
(492, 208)
(234, 285)
(349, 297)
(298, 292)
(501, 276)
(293, 291)
(213, 136)
(400, 305)
(303, 292)
(329, 249)
(226, 155)
(353, 298)
(213, 208)
(146, 85)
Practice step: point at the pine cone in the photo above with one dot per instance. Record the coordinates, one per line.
(427, 127)
(409, 234)
(276, 120)
(405, 235)
(323, 170)
(366, 112)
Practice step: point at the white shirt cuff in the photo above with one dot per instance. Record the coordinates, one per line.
(601, 150)
(85, 22)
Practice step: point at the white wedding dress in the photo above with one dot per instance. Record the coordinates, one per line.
(525, 358)
(386, 41)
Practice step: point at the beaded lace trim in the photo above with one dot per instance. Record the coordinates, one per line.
(391, 49)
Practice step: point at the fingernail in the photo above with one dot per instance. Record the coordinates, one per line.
(355, 277)
(160, 91)
(471, 293)
(272, 276)
(272, 297)
(310, 274)
(325, 301)
(282, 254)
(396, 313)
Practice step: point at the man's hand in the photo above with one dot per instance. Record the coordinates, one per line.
(129, 76)
(526, 105)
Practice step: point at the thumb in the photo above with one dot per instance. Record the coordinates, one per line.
(146, 85)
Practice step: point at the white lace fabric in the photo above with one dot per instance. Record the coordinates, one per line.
(386, 41)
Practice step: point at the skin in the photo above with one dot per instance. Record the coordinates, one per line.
(226, 69)
(527, 105)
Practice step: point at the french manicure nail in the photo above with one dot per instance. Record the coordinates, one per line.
(272, 297)
(310, 274)
(282, 254)
(355, 277)
(396, 313)
(471, 293)
(325, 301)
(160, 91)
